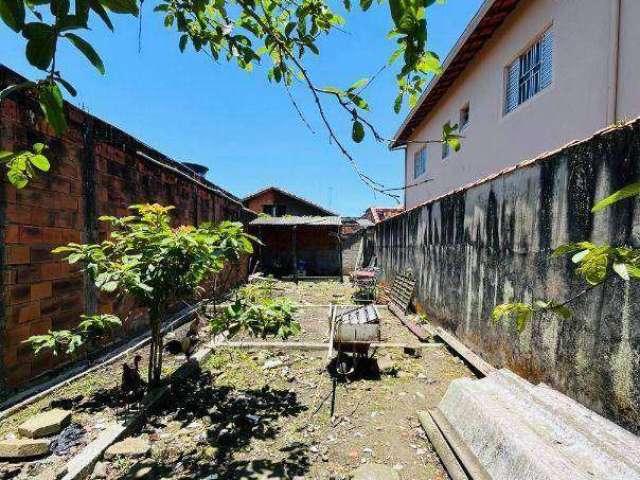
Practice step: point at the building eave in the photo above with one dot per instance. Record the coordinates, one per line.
(292, 195)
(488, 19)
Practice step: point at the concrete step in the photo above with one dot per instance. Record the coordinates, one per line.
(521, 431)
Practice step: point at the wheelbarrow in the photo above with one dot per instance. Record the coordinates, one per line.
(352, 331)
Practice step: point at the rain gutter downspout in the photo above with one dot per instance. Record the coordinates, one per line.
(614, 60)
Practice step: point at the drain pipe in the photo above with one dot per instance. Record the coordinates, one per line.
(614, 60)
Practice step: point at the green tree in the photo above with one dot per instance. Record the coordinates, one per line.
(157, 265)
(277, 33)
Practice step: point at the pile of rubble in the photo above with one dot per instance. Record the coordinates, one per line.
(41, 435)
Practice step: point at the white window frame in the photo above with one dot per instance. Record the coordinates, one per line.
(420, 169)
(529, 73)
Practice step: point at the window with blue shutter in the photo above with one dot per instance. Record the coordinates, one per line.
(546, 70)
(511, 100)
(530, 73)
(420, 162)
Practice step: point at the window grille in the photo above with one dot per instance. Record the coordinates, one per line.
(530, 73)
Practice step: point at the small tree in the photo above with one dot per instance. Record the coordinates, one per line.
(158, 265)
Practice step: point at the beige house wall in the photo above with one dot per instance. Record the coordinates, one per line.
(576, 104)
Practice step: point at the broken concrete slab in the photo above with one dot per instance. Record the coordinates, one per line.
(375, 471)
(45, 424)
(133, 447)
(518, 430)
(24, 448)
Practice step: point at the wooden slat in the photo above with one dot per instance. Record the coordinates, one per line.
(474, 360)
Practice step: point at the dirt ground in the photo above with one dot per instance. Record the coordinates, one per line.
(95, 401)
(267, 414)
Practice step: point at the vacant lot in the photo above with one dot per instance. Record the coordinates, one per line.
(265, 414)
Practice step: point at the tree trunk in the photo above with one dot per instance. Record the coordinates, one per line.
(155, 350)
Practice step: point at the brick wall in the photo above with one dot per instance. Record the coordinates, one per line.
(293, 206)
(96, 169)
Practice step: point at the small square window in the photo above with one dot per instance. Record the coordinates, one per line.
(445, 150)
(420, 162)
(464, 117)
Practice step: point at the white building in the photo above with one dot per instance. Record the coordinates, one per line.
(526, 77)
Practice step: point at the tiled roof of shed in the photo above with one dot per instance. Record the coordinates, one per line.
(489, 18)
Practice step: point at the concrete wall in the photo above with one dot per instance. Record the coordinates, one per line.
(491, 243)
(353, 251)
(96, 170)
(575, 105)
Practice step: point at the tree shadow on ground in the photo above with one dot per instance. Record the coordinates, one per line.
(234, 418)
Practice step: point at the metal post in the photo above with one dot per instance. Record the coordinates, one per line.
(340, 247)
(295, 253)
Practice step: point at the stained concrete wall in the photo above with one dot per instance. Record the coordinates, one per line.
(491, 242)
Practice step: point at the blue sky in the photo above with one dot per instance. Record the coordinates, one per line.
(238, 124)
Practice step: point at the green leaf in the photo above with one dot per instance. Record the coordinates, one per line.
(578, 257)
(358, 85)
(121, 6)
(394, 56)
(52, 105)
(454, 143)
(626, 192)
(397, 10)
(67, 86)
(357, 133)
(40, 162)
(397, 104)
(12, 13)
(358, 101)
(621, 269)
(429, 63)
(633, 271)
(87, 50)
(59, 8)
(17, 178)
(183, 42)
(365, 4)
(41, 45)
(101, 12)
(38, 147)
(37, 30)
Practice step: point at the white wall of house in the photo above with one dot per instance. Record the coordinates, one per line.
(574, 106)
